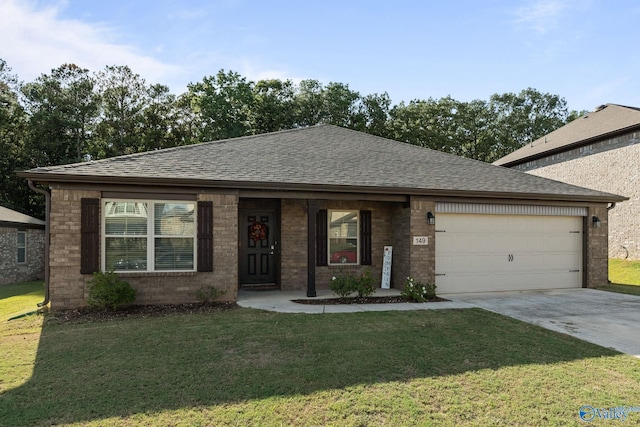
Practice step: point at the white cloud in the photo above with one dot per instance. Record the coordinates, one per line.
(541, 16)
(36, 40)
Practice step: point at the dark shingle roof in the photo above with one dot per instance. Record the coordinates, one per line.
(323, 158)
(607, 120)
(8, 216)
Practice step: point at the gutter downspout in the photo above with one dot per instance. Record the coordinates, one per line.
(47, 198)
(613, 205)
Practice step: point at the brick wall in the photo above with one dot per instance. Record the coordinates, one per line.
(613, 166)
(68, 288)
(33, 268)
(294, 243)
(597, 268)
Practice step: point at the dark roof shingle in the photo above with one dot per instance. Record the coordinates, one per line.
(606, 120)
(321, 157)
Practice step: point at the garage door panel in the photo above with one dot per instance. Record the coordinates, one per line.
(485, 252)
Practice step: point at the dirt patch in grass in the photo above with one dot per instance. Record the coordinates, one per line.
(88, 314)
(363, 300)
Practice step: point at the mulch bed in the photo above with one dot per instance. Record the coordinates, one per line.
(90, 315)
(364, 300)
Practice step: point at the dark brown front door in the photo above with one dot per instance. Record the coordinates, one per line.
(258, 235)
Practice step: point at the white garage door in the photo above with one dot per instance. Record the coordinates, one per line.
(479, 253)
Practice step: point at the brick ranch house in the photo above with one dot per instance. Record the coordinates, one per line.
(600, 150)
(289, 210)
(21, 247)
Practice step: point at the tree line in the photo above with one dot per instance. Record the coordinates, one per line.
(73, 115)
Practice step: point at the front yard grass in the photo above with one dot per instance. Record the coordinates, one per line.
(248, 367)
(18, 298)
(624, 276)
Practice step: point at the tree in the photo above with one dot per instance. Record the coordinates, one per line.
(524, 117)
(63, 109)
(124, 97)
(14, 192)
(222, 105)
(274, 106)
(373, 114)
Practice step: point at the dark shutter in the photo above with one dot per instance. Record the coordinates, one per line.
(205, 236)
(89, 236)
(321, 238)
(365, 237)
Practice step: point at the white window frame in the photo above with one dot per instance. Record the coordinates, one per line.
(357, 237)
(18, 247)
(150, 236)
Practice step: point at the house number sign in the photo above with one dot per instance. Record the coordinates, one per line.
(420, 240)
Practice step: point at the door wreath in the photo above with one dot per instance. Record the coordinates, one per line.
(258, 231)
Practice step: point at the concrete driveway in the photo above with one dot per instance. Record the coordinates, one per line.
(604, 318)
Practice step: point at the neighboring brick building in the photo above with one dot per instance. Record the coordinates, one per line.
(600, 150)
(21, 247)
(289, 210)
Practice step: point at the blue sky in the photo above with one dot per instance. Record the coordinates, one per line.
(583, 50)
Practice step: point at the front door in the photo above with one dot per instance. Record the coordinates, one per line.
(258, 236)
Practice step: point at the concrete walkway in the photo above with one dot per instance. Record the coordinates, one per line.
(604, 318)
(281, 301)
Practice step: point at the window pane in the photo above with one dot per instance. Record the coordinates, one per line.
(343, 224)
(126, 253)
(343, 251)
(22, 255)
(343, 237)
(174, 219)
(125, 218)
(22, 239)
(174, 254)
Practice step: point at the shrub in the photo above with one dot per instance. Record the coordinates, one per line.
(346, 284)
(417, 291)
(364, 284)
(207, 294)
(343, 285)
(106, 290)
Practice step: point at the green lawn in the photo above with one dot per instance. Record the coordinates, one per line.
(20, 298)
(624, 272)
(624, 276)
(248, 367)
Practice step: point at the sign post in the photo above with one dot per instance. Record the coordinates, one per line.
(386, 268)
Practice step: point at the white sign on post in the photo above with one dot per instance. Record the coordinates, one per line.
(386, 268)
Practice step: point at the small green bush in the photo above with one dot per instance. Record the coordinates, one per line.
(346, 284)
(207, 294)
(417, 291)
(364, 285)
(343, 285)
(106, 290)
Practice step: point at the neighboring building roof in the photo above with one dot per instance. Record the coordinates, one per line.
(10, 217)
(605, 122)
(317, 158)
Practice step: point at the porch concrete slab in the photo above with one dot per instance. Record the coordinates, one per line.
(281, 301)
(605, 318)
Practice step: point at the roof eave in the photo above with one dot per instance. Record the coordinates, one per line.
(48, 177)
(571, 146)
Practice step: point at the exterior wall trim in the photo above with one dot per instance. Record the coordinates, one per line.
(498, 209)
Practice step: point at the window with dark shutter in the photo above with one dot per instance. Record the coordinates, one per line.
(365, 237)
(205, 236)
(321, 238)
(89, 235)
